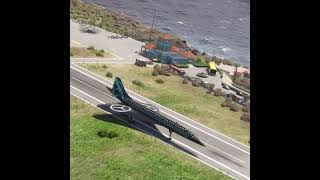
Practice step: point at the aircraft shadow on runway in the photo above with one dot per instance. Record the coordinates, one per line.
(155, 133)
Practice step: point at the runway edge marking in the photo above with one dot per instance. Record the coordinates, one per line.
(166, 112)
(167, 136)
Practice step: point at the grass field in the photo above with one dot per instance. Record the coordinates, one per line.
(190, 101)
(82, 52)
(131, 155)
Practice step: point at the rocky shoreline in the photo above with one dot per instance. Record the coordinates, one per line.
(92, 14)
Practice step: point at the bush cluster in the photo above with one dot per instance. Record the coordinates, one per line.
(107, 134)
(109, 74)
(138, 83)
(159, 81)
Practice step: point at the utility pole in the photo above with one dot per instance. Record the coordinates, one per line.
(235, 74)
(212, 54)
(153, 19)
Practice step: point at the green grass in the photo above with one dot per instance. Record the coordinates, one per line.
(193, 102)
(200, 62)
(81, 52)
(202, 74)
(131, 155)
(182, 65)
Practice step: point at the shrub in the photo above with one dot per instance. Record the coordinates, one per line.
(101, 51)
(246, 109)
(99, 54)
(200, 62)
(232, 96)
(110, 134)
(102, 134)
(157, 67)
(165, 73)
(203, 75)
(71, 54)
(138, 83)
(210, 87)
(91, 48)
(229, 99)
(185, 81)
(235, 107)
(155, 73)
(159, 81)
(226, 104)
(195, 83)
(182, 65)
(109, 74)
(175, 73)
(245, 117)
(104, 66)
(218, 92)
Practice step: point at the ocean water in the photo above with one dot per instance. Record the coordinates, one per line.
(219, 27)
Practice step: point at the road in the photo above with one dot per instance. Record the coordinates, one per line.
(228, 81)
(220, 152)
(124, 51)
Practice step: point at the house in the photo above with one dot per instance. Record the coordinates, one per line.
(165, 52)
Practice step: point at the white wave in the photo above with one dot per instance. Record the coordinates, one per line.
(220, 57)
(222, 27)
(180, 22)
(166, 28)
(225, 49)
(224, 21)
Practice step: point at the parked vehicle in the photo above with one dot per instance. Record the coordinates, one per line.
(140, 63)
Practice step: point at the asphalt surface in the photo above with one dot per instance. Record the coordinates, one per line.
(124, 49)
(220, 152)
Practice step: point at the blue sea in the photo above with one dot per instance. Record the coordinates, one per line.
(219, 27)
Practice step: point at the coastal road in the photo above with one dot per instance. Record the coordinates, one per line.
(124, 51)
(220, 151)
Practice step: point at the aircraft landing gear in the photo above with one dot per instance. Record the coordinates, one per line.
(170, 134)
